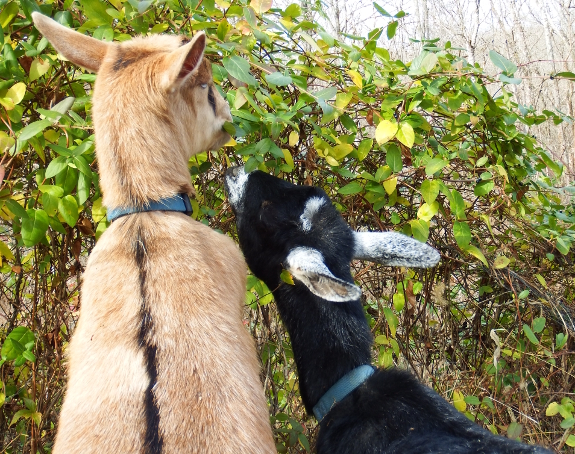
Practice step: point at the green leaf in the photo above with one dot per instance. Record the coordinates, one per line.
(429, 190)
(539, 324)
(502, 63)
(68, 208)
(510, 80)
(563, 245)
(457, 205)
(34, 228)
(483, 188)
(29, 356)
(406, 135)
(393, 158)
(524, 294)
(461, 119)
(23, 335)
(82, 165)
(462, 234)
(56, 166)
(560, 340)
(364, 148)
(9, 12)
(351, 188)
(240, 69)
(530, 335)
(326, 94)
(16, 209)
(435, 165)
(279, 79)
(95, 10)
(55, 191)
(11, 349)
(392, 320)
(391, 29)
(514, 430)
(398, 301)
(381, 11)
(33, 129)
(570, 441)
(420, 229)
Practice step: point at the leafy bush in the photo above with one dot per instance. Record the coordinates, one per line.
(435, 148)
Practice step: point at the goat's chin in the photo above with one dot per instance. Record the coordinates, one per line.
(222, 138)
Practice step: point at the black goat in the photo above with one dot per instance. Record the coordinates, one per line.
(281, 225)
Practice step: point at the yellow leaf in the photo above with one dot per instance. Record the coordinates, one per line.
(500, 262)
(16, 92)
(287, 277)
(390, 185)
(261, 6)
(38, 68)
(470, 249)
(223, 4)
(293, 138)
(342, 99)
(385, 131)
(331, 161)
(313, 45)
(458, 401)
(356, 78)
(427, 211)
(231, 142)
(406, 135)
(288, 157)
(5, 141)
(5, 251)
(341, 151)
(240, 100)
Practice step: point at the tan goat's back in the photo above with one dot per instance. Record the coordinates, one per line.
(160, 361)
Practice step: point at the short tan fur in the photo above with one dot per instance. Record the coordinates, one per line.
(160, 361)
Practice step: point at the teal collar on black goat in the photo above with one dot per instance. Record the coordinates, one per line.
(344, 386)
(180, 202)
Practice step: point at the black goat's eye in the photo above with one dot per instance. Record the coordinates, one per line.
(204, 85)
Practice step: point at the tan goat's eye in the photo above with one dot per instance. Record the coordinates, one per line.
(204, 85)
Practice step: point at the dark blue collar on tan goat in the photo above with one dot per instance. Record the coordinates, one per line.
(179, 202)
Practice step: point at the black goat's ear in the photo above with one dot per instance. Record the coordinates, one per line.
(307, 266)
(393, 249)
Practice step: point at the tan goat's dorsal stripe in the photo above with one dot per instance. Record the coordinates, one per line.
(153, 442)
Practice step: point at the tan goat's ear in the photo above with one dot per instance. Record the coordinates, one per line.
(185, 60)
(80, 49)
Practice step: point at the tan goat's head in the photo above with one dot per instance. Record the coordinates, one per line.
(154, 106)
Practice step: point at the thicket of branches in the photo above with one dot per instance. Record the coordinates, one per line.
(423, 146)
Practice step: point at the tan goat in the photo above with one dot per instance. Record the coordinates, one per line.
(160, 361)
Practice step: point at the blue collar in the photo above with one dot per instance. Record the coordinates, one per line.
(344, 386)
(179, 202)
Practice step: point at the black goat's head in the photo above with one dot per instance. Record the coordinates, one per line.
(282, 225)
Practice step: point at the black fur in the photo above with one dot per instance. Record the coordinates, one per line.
(391, 412)
(212, 100)
(153, 441)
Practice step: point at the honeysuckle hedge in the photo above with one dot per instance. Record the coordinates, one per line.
(435, 148)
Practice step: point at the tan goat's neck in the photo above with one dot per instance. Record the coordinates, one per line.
(141, 159)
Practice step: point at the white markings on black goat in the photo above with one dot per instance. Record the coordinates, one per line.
(312, 206)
